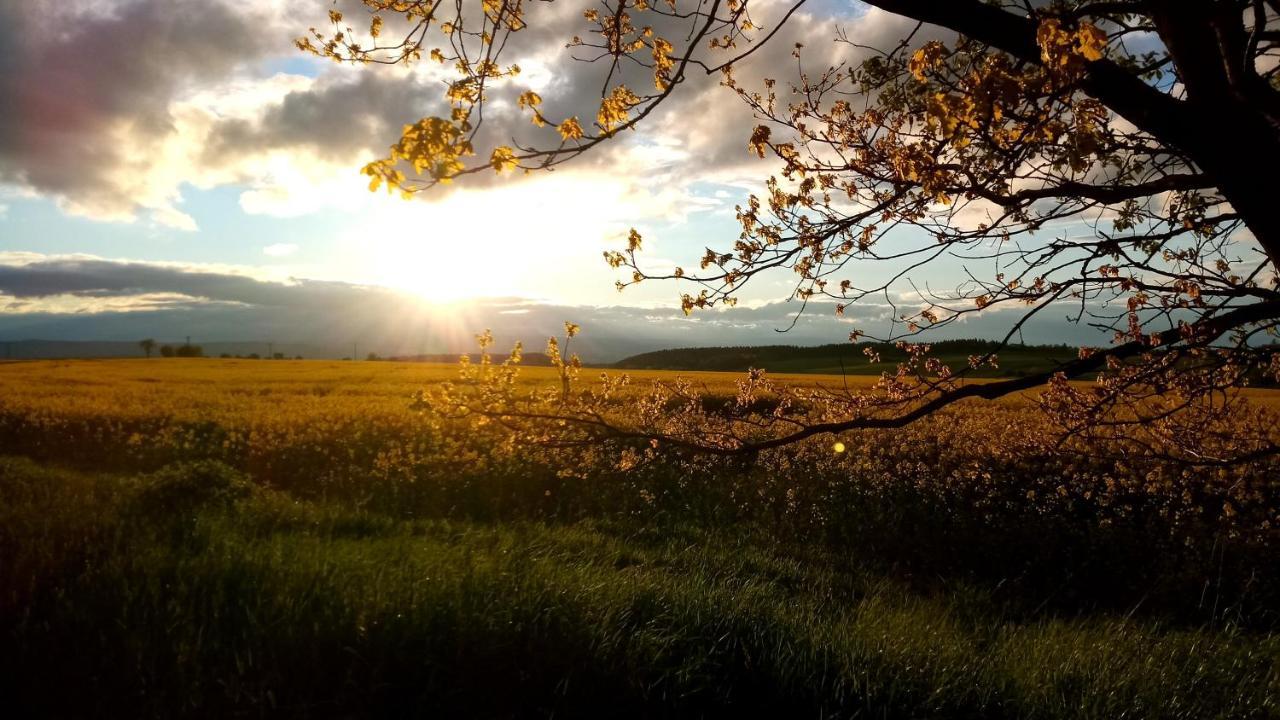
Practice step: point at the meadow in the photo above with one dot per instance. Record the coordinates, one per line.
(218, 537)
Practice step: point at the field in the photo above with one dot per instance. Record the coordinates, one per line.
(220, 537)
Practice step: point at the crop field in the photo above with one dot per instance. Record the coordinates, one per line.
(219, 537)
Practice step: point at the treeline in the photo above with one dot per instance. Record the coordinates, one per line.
(848, 357)
(194, 351)
(181, 351)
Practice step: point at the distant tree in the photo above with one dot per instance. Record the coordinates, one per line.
(224, 355)
(147, 346)
(189, 351)
(166, 351)
(253, 356)
(1094, 158)
(277, 356)
(372, 356)
(299, 357)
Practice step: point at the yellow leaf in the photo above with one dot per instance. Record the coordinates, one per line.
(570, 129)
(529, 98)
(925, 58)
(759, 140)
(503, 158)
(1091, 41)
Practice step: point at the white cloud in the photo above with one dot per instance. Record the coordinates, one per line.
(280, 249)
(171, 217)
(296, 142)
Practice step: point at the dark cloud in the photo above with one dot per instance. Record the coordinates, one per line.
(89, 89)
(336, 120)
(73, 82)
(170, 301)
(342, 117)
(96, 278)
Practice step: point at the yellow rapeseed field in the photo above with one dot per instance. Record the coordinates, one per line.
(346, 429)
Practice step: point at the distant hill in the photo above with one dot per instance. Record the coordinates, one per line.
(68, 349)
(848, 358)
(534, 359)
(59, 349)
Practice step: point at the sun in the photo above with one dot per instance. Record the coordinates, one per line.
(431, 250)
(527, 239)
(434, 268)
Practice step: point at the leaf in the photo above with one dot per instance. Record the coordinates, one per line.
(529, 99)
(570, 129)
(503, 158)
(1091, 41)
(759, 141)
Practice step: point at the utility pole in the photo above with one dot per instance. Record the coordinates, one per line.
(188, 341)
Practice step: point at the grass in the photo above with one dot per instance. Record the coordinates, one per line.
(187, 537)
(254, 602)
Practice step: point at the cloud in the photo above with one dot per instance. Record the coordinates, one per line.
(280, 250)
(122, 103)
(88, 298)
(88, 92)
(171, 217)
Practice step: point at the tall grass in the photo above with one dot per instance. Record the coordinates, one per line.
(193, 592)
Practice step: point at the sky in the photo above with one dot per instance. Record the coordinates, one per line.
(178, 167)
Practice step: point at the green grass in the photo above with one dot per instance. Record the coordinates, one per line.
(194, 592)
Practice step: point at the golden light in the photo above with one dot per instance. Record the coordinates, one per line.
(529, 239)
(838, 447)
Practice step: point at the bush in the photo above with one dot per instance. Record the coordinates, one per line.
(182, 489)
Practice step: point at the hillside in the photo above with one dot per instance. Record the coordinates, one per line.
(847, 358)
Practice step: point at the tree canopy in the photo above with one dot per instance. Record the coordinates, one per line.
(1106, 159)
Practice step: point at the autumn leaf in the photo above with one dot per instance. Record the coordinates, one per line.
(1091, 41)
(503, 158)
(759, 140)
(570, 129)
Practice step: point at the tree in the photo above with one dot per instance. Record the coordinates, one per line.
(166, 351)
(147, 346)
(189, 350)
(1097, 158)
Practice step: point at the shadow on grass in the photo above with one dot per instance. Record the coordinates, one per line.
(190, 591)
